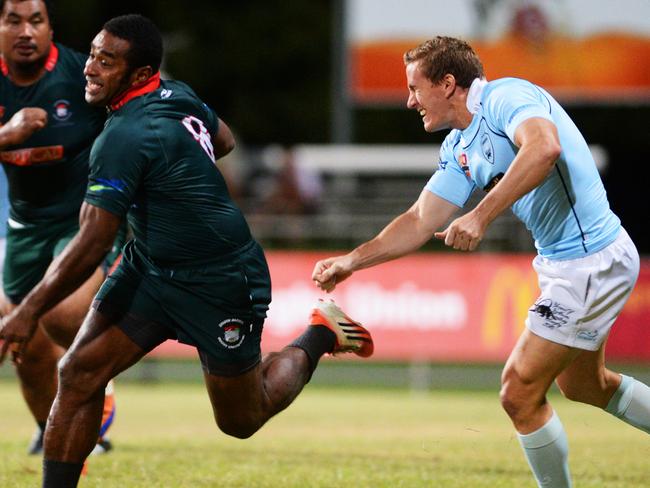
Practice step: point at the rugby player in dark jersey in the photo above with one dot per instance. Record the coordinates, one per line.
(45, 138)
(192, 272)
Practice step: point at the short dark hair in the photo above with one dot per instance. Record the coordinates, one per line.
(144, 38)
(442, 55)
(48, 7)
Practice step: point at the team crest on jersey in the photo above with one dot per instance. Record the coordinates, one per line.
(464, 165)
(233, 333)
(62, 110)
(488, 148)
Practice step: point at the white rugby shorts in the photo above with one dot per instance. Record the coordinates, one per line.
(581, 298)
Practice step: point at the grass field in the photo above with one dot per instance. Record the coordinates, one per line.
(373, 437)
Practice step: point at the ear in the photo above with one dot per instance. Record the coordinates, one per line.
(140, 75)
(449, 84)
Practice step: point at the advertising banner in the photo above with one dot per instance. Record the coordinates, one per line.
(434, 307)
(580, 50)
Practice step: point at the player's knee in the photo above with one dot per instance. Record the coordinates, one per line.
(76, 377)
(240, 428)
(515, 395)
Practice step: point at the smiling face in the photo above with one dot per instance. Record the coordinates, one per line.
(429, 99)
(25, 34)
(107, 71)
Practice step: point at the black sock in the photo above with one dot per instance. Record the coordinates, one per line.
(58, 474)
(315, 341)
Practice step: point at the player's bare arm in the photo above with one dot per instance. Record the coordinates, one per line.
(539, 148)
(405, 234)
(223, 141)
(22, 125)
(69, 270)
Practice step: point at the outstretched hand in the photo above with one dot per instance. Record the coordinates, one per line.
(16, 330)
(330, 272)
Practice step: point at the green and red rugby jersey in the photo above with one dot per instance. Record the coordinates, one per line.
(48, 173)
(154, 162)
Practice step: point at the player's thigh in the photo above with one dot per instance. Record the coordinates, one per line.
(535, 362)
(237, 398)
(587, 379)
(64, 320)
(100, 351)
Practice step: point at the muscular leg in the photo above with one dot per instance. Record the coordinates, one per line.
(99, 352)
(529, 372)
(37, 375)
(37, 372)
(587, 380)
(242, 404)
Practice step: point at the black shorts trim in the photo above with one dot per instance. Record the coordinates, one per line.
(215, 367)
(145, 333)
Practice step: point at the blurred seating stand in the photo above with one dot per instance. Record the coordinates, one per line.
(361, 189)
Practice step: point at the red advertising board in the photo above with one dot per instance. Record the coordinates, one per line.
(434, 307)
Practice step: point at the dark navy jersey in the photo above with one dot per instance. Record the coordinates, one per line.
(48, 173)
(154, 162)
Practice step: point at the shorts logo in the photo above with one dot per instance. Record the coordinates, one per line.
(554, 314)
(587, 335)
(62, 110)
(233, 337)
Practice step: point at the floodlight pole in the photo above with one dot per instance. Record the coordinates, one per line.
(341, 114)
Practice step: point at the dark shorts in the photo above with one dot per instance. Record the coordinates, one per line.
(30, 249)
(218, 307)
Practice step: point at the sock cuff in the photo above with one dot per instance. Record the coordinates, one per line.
(622, 397)
(543, 436)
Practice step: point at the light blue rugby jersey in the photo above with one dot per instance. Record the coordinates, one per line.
(568, 214)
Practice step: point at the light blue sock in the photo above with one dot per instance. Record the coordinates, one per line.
(631, 403)
(547, 452)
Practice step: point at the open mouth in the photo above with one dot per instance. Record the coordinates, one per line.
(92, 88)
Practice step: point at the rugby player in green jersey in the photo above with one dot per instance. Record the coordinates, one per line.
(192, 272)
(46, 133)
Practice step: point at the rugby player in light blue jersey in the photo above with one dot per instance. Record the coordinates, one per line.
(512, 140)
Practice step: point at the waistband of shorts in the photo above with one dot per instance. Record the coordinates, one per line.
(197, 264)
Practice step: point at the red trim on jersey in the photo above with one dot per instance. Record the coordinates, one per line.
(50, 62)
(52, 58)
(134, 91)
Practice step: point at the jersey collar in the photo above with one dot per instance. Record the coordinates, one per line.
(147, 86)
(50, 62)
(474, 94)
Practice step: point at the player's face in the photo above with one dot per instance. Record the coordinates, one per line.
(107, 71)
(427, 98)
(25, 32)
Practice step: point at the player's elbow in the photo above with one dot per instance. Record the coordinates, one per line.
(549, 150)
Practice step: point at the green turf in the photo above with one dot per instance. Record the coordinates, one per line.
(165, 437)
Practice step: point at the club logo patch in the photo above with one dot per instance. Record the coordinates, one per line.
(553, 314)
(62, 110)
(232, 333)
(488, 148)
